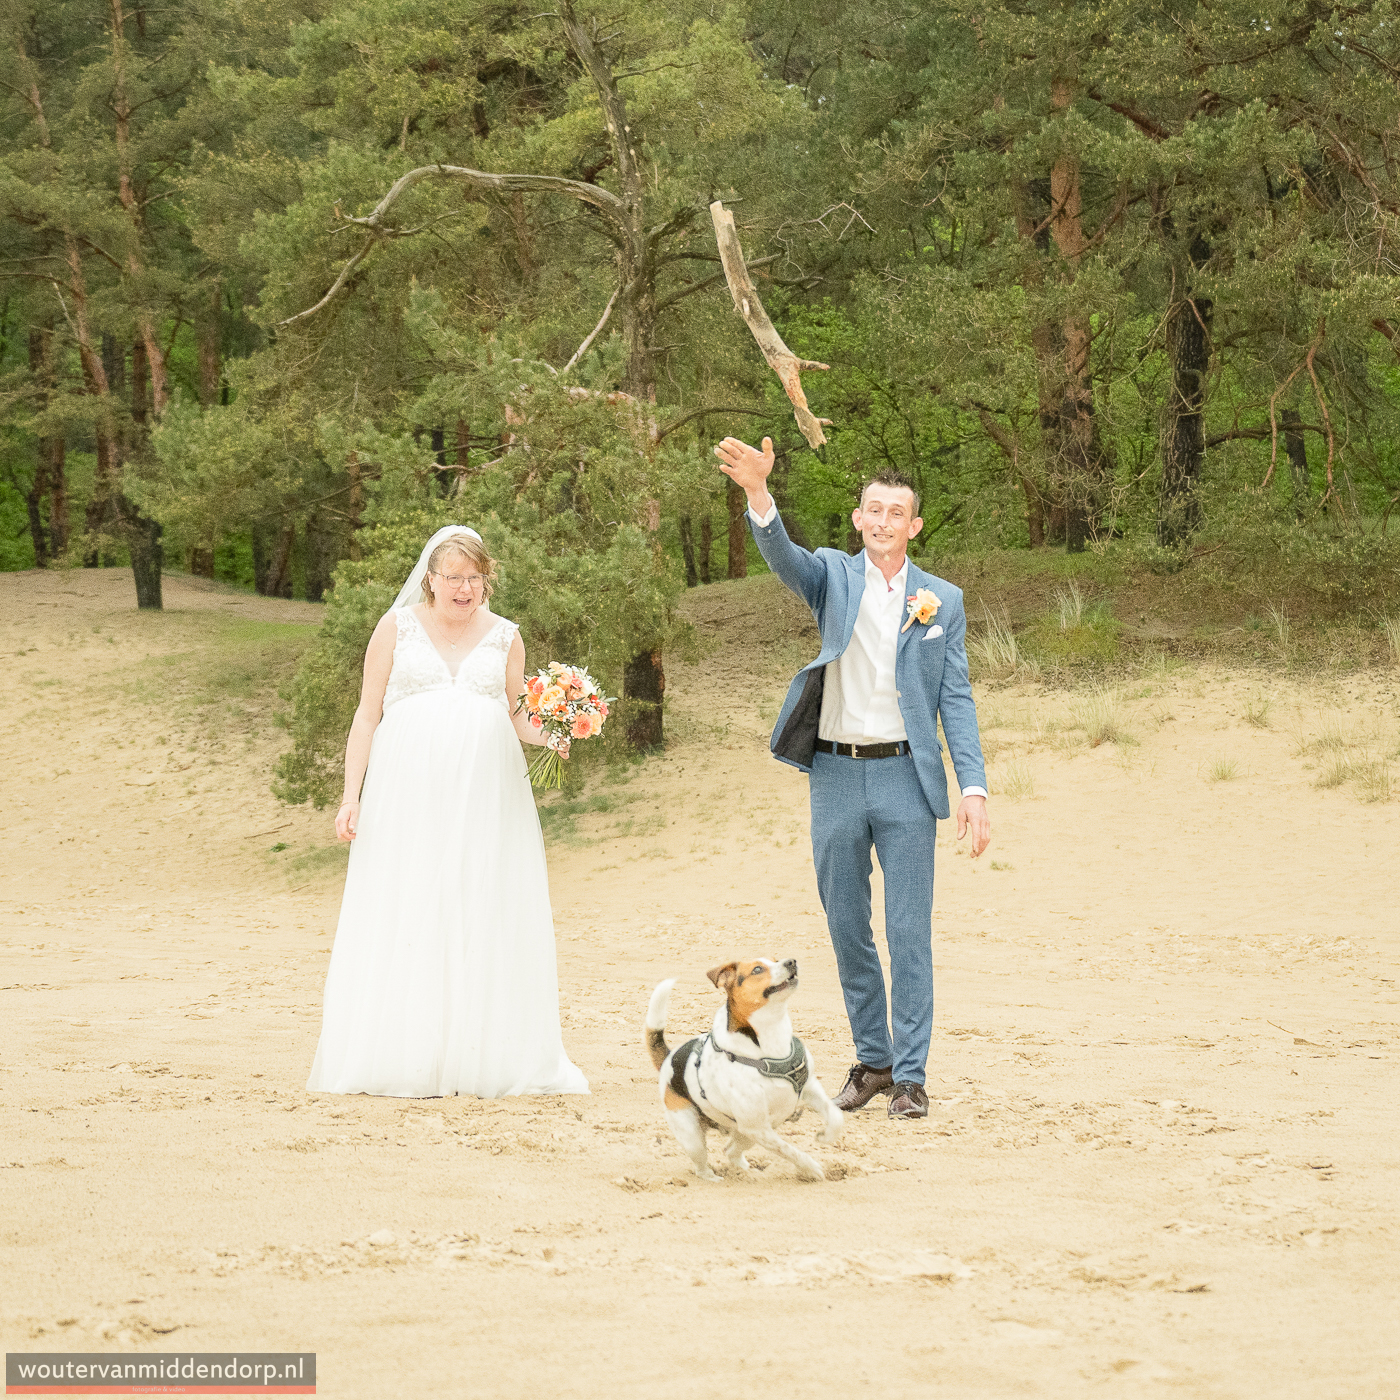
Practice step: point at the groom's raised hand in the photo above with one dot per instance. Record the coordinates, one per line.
(748, 467)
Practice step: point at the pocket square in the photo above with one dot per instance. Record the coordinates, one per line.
(934, 631)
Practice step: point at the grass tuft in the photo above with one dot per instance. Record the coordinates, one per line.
(1070, 605)
(1391, 627)
(996, 653)
(1334, 772)
(1372, 779)
(1100, 716)
(1017, 781)
(1256, 712)
(1224, 770)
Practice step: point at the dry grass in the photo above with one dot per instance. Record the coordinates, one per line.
(1223, 770)
(1371, 777)
(1283, 630)
(1391, 627)
(1069, 604)
(1100, 715)
(1329, 739)
(1336, 769)
(1017, 781)
(1256, 711)
(995, 655)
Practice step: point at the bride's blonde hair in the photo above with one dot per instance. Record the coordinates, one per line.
(475, 553)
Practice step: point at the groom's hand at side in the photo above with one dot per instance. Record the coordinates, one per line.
(972, 812)
(748, 467)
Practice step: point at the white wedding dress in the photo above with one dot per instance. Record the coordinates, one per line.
(442, 979)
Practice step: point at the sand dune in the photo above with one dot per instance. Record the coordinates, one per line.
(1161, 1157)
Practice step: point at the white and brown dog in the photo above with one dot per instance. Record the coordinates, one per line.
(747, 1075)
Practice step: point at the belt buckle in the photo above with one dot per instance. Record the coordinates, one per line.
(855, 750)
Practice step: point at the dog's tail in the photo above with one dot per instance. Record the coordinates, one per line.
(656, 1022)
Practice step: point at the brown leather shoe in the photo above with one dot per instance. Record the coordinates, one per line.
(908, 1101)
(862, 1084)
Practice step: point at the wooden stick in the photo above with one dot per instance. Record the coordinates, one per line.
(785, 364)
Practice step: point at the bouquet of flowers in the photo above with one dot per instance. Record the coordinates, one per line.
(566, 703)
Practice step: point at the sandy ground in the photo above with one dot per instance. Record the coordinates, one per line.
(1162, 1156)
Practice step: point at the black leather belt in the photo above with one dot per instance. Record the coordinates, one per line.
(890, 750)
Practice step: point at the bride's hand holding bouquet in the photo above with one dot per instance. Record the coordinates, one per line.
(563, 703)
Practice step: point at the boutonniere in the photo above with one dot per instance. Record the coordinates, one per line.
(922, 606)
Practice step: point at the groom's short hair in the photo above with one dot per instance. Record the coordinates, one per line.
(892, 477)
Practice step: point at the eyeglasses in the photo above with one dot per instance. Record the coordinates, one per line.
(457, 580)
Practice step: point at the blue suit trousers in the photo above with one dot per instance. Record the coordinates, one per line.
(858, 803)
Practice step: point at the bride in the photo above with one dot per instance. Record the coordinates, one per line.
(442, 979)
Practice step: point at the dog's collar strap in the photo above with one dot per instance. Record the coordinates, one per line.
(792, 1066)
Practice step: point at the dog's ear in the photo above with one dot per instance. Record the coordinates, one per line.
(723, 977)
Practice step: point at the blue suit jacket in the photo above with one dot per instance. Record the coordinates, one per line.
(930, 672)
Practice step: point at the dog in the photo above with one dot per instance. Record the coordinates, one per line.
(749, 1074)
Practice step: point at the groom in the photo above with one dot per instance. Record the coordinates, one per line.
(862, 719)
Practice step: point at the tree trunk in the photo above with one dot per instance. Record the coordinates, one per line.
(38, 367)
(1297, 451)
(356, 503)
(147, 557)
(1035, 512)
(688, 552)
(94, 377)
(210, 331)
(1078, 452)
(119, 103)
(644, 684)
(1184, 440)
(139, 388)
(202, 562)
(320, 556)
(279, 582)
(1044, 513)
(32, 499)
(263, 545)
(58, 496)
(706, 545)
(738, 534)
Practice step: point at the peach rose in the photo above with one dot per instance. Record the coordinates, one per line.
(582, 727)
(536, 722)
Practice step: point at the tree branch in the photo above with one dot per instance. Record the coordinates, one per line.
(637, 72)
(1258, 434)
(335, 287)
(603, 200)
(785, 364)
(593, 335)
(713, 408)
(707, 282)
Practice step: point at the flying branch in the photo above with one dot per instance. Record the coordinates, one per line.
(785, 364)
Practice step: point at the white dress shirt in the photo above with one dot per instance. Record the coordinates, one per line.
(860, 704)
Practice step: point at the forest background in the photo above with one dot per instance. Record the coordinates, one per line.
(286, 286)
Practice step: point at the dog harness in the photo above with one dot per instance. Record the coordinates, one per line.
(792, 1066)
